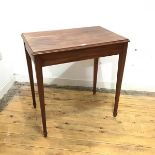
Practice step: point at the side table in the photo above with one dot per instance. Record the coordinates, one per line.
(62, 46)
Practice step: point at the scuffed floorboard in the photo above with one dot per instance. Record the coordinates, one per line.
(78, 123)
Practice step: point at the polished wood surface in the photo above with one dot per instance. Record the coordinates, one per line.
(69, 39)
(39, 75)
(78, 124)
(62, 46)
(121, 64)
(95, 74)
(29, 66)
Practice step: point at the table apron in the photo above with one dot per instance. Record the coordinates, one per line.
(79, 54)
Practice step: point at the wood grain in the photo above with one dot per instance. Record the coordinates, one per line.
(78, 124)
(69, 39)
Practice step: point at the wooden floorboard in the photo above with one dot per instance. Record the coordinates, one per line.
(78, 123)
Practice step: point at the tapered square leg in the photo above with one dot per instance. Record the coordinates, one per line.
(30, 71)
(95, 75)
(121, 64)
(39, 76)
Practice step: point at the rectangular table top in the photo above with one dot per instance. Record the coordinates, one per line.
(70, 39)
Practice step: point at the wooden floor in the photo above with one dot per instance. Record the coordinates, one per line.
(78, 124)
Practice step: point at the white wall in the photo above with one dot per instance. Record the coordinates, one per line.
(6, 75)
(131, 18)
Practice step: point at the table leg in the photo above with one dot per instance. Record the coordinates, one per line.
(121, 64)
(39, 76)
(95, 75)
(29, 65)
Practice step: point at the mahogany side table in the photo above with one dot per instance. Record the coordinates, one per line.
(62, 46)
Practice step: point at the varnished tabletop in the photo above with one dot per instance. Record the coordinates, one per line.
(69, 39)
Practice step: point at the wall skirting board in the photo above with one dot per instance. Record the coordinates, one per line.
(67, 82)
(6, 85)
(58, 83)
(86, 83)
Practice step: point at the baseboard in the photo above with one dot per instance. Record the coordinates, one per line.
(68, 82)
(6, 85)
(86, 83)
